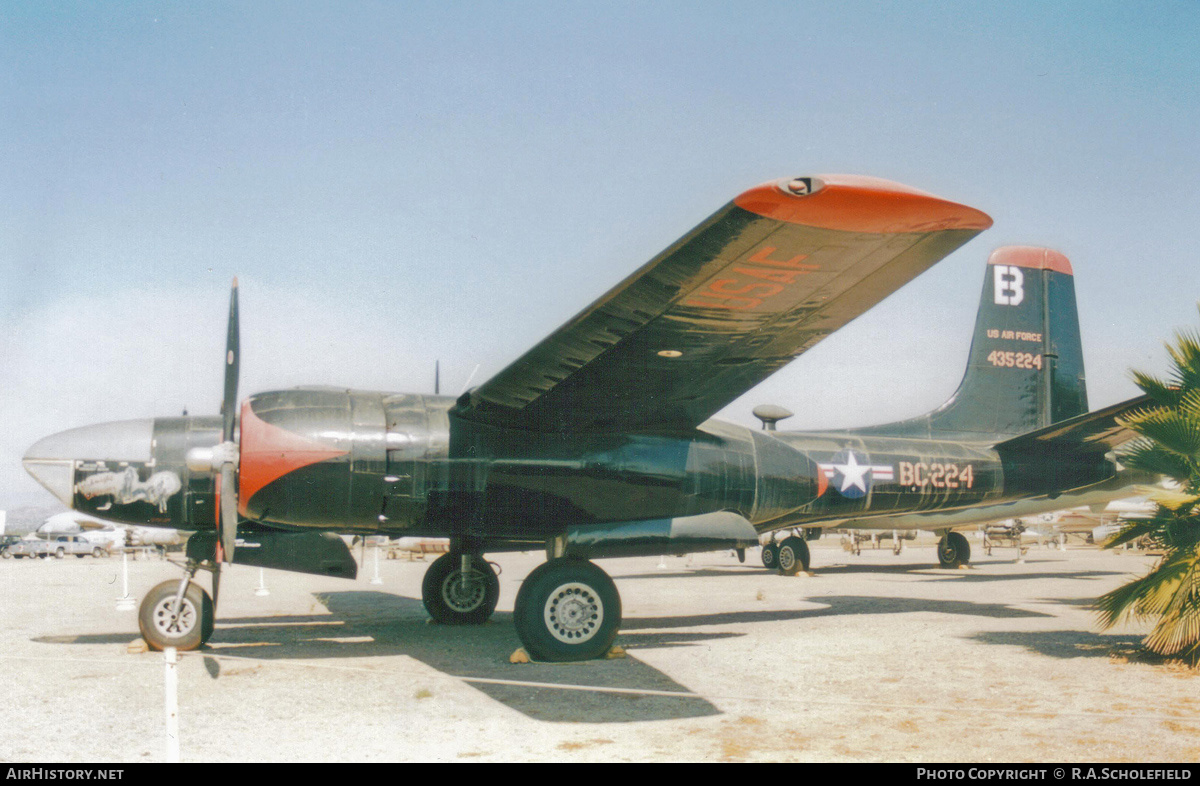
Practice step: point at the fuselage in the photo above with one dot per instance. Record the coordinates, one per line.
(402, 464)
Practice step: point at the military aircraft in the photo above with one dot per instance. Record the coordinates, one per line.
(115, 536)
(598, 441)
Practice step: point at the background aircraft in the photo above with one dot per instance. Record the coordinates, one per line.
(597, 442)
(113, 536)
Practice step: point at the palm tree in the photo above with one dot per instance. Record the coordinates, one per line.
(1168, 444)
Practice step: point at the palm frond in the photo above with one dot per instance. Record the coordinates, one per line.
(1173, 430)
(1178, 627)
(1169, 444)
(1161, 392)
(1126, 602)
(1185, 357)
(1132, 529)
(1172, 499)
(1189, 402)
(1147, 456)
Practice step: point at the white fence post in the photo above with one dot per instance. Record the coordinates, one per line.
(171, 683)
(125, 603)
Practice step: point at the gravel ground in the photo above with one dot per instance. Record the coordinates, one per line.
(870, 658)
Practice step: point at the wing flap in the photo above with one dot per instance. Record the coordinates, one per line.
(756, 284)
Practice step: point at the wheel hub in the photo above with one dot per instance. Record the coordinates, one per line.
(461, 596)
(574, 613)
(787, 559)
(172, 625)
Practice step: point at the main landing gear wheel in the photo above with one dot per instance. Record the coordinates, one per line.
(770, 556)
(567, 610)
(953, 550)
(163, 627)
(452, 601)
(793, 556)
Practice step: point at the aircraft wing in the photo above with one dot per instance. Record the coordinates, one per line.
(1091, 432)
(759, 282)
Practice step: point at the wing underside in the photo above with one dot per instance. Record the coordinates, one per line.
(756, 284)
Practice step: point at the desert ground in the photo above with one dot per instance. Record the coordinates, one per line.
(876, 657)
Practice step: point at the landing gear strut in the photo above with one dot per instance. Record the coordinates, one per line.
(460, 588)
(177, 614)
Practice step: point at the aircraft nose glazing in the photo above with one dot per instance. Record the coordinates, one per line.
(51, 461)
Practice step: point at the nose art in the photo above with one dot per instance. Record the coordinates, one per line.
(51, 461)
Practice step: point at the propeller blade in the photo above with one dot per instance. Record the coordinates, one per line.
(216, 585)
(229, 513)
(232, 353)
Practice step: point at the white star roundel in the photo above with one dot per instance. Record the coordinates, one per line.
(852, 475)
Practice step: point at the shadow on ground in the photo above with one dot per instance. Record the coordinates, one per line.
(832, 606)
(1065, 643)
(361, 624)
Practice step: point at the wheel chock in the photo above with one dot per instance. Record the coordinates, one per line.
(137, 647)
(617, 651)
(520, 656)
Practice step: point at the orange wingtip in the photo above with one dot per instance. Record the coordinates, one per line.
(854, 203)
(1031, 256)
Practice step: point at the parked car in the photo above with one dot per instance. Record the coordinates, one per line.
(61, 546)
(77, 545)
(29, 547)
(5, 542)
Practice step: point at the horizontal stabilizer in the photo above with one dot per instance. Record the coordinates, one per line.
(1091, 432)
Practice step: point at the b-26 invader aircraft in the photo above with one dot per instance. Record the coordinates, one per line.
(598, 441)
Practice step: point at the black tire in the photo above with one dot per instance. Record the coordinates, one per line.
(567, 610)
(770, 556)
(80, 556)
(97, 552)
(953, 550)
(448, 602)
(155, 618)
(793, 556)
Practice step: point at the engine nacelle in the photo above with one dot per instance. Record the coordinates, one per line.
(335, 458)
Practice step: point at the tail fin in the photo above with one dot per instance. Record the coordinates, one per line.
(1025, 369)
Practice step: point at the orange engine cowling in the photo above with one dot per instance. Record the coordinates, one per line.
(312, 458)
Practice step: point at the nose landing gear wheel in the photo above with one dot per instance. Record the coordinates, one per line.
(452, 601)
(567, 610)
(163, 626)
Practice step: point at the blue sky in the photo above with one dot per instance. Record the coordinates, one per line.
(396, 183)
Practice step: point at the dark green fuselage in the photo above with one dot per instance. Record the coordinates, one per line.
(415, 469)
